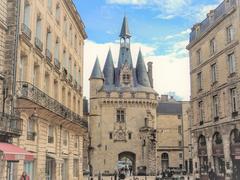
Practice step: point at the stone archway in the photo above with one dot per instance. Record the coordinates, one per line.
(130, 160)
(164, 161)
(203, 157)
(235, 152)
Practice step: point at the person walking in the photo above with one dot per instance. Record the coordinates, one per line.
(24, 176)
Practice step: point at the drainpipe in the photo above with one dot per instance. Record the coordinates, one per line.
(14, 62)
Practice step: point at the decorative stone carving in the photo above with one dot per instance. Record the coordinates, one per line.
(120, 132)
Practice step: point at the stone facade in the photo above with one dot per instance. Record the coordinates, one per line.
(45, 78)
(122, 114)
(214, 68)
(173, 134)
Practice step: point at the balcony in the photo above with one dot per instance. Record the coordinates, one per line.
(57, 63)
(33, 95)
(70, 78)
(38, 44)
(10, 125)
(64, 74)
(48, 55)
(216, 16)
(26, 31)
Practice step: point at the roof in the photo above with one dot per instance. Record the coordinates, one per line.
(108, 69)
(96, 72)
(169, 108)
(125, 30)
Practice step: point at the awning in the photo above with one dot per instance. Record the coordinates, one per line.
(12, 152)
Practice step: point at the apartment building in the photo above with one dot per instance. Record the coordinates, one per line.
(214, 69)
(48, 89)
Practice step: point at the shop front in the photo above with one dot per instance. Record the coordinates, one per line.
(218, 156)
(235, 153)
(203, 157)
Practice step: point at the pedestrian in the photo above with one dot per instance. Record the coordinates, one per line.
(211, 174)
(130, 170)
(24, 176)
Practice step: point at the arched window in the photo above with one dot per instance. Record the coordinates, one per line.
(26, 15)
(235, 136)
(164, 161)
(202, 141)
(217, 139)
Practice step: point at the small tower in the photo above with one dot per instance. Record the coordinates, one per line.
(96, 79)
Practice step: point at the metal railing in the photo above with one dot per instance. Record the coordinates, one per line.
(48, 55)
(38, 43)
(57, 63)
(28, 91)
(218, 13)
(10, 125)
(26, 31)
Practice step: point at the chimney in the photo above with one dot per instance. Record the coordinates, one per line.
(149, 64)
(164, 98)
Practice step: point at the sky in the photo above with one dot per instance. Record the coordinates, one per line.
(159, 27)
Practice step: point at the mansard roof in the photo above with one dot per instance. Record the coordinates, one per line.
(96, 72)
(108, 69)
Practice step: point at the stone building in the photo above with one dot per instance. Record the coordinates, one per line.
(214, 68)
(46, 84)
(123, 113)
(173, 132)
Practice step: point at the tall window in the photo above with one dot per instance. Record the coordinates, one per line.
(233, 99)
(75, 72)
(50, 134)
(29, 168)
(200, 108)
(64, 59)
(55, 85)
(39, 27)
(35, 75)
(179, 129)
(76, 141)
(22, 70)
(215, 106)
(70, 65)
(198, 54)
(65, 25)
(231, 63)
(31, 129)
(58, 13)
(70, 35)
(199, 81)
(230, 34)
(65, 138)
(213, 72)
(120, 115)
(49, 5)
(75, 168)
(49, 40)
(63, 95)
(212, 46)
(26, 16)
(46, 82)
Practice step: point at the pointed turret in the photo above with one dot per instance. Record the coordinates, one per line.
(125, 33)
(141, 71)
(96, 72)
(108, 69)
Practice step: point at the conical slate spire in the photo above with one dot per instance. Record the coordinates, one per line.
(125, 30)
(96, 72)
(108, 69)
(141, 71)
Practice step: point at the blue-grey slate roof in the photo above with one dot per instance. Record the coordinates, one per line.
(125, 33)
(108, 70)
(96, 72)
(169, 108)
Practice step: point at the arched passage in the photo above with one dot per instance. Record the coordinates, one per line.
(235, 153)
(218, 156)
(127, 161)
(203, 157)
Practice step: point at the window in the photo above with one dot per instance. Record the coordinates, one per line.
(198, 54)
(50, 134)
(35, 74)
(120, 115)
(76, 141)
(233, 99)
(49, 40)
(29, 168)
(70, 35)
(26, 16)
(22, 66)
(180, 143)
(64, 59)
(126, 78)
(70, 65)
(180, 155)
(179, 129)
(200, 108)
(110, 135)
(75, 167)
(213, 72)
(215, 106)
(63, 96)
(46, 82)
(231, 63)
(230, 34)
(199, 81)
(58, 13)
(179, 116)
(129, 135)
(49, 5)
(31, 129)
(39, 28)
(65, 138)
(105, 147)
(56, 51)
(65, 25)
(212, 46)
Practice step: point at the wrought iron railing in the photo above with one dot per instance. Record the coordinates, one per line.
(28, 91)
(26, 31)
(224, 8)
(10, 125)
(38, 44)
(57, 63)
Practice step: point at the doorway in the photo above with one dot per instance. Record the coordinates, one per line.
(127, 163)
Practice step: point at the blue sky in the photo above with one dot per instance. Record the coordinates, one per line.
(160, 27)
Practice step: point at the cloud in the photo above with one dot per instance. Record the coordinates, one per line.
(170, 71)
